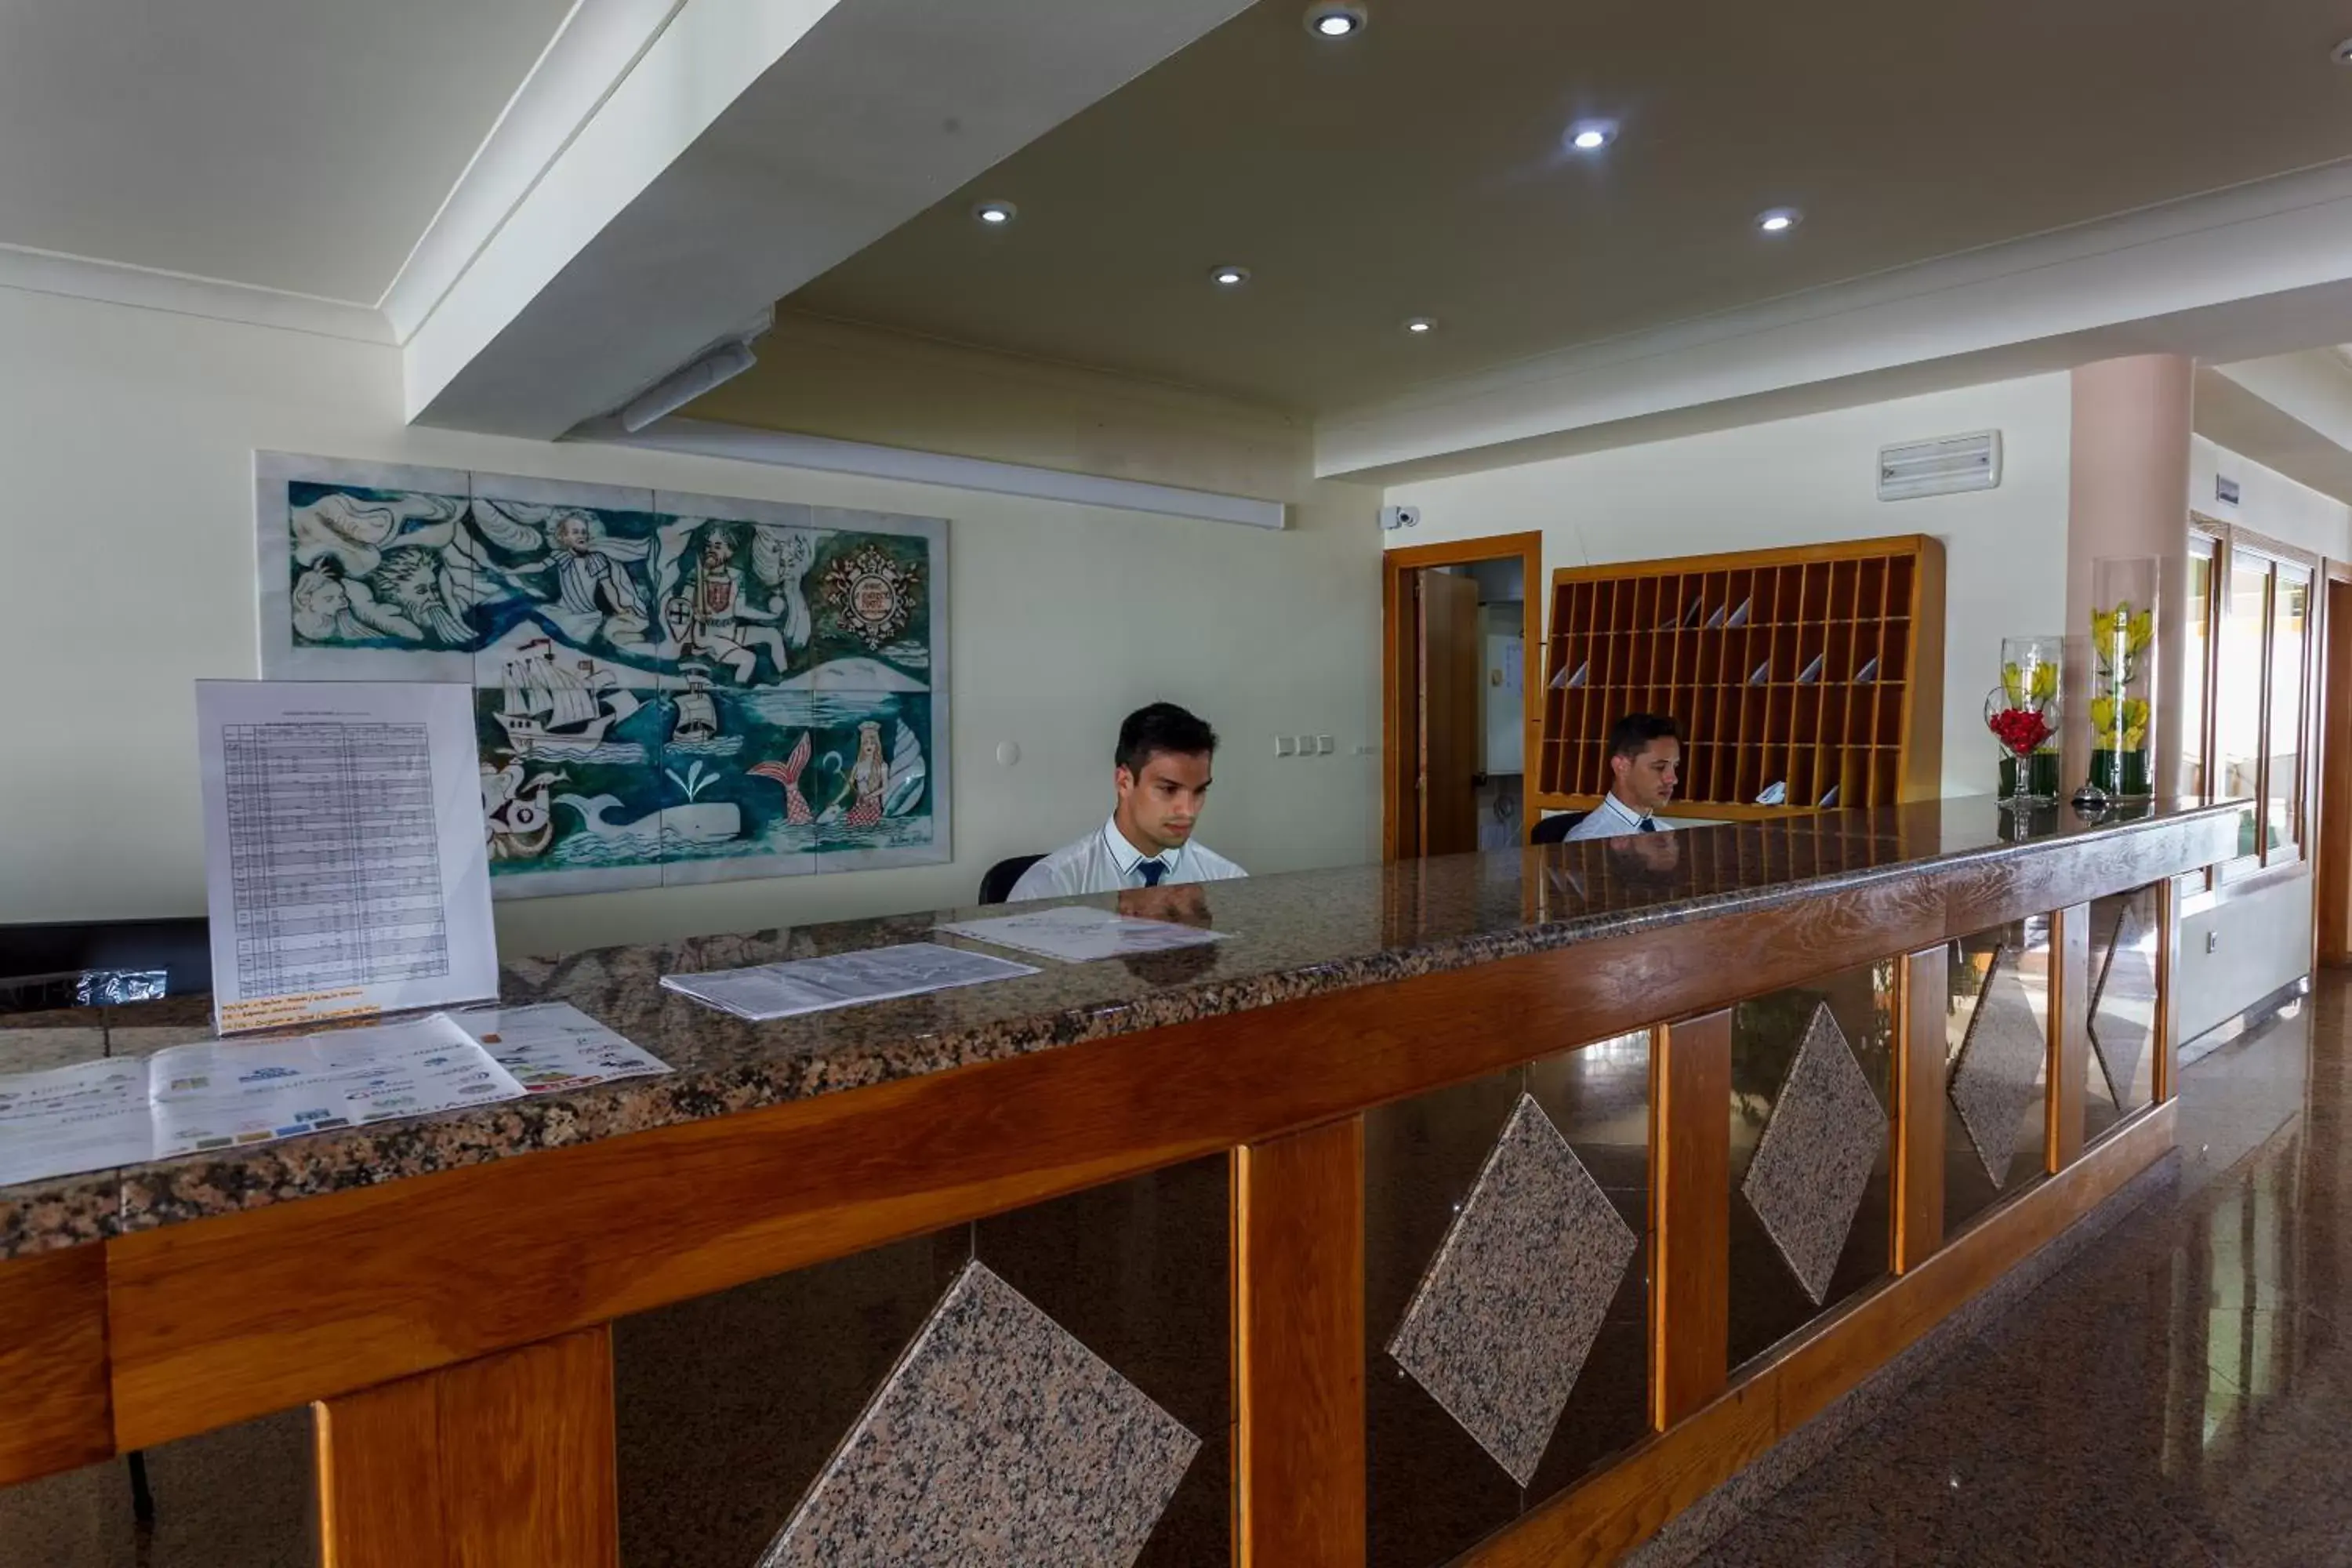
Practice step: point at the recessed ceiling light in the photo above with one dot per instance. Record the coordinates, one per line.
(1420, 326)
(1229, 276)
(1330, 20)
(1591, 135)
(996, 215)
(1779, 220)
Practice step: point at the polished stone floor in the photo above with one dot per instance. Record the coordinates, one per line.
(2181, 1395)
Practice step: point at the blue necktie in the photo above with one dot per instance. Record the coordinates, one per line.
(1649, 825)
(1151, 871)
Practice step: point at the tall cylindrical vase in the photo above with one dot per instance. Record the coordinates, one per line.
(2122, 667)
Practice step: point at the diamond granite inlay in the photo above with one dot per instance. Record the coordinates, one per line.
(1502, 1321)
(2000, 1067)
(1827, 1131)
(2122, 1008)
(998, 1440)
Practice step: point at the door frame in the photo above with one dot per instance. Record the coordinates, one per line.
(2329, 815)
(1401, 685)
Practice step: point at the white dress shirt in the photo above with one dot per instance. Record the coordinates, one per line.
(1612, 819)
(1104, 862)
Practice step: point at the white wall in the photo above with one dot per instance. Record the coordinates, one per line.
(2264, 943)
(1807, 480)
(2268, 501)
(127, 571)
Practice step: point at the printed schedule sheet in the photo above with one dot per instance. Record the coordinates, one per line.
(344, 860)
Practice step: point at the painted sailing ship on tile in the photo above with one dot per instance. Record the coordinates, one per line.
(667, 688)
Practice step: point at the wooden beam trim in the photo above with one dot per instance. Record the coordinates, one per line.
(54, 1412)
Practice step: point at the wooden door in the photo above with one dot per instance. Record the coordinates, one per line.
(1452, 733)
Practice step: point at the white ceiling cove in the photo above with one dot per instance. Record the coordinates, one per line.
(300, 145)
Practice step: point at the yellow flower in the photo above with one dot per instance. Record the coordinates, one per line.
(2045, 682)
(2103, 716)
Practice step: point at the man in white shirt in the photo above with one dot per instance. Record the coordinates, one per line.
(1162, 779)
(1645, 760)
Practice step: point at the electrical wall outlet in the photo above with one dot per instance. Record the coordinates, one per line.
(1284, 746)
(2212, 941)
(1323, 745)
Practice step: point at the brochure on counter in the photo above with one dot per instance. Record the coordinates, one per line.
(230, 1094)
(1081, 933)
(787, 990)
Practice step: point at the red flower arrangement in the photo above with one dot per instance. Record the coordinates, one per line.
(2019, 729)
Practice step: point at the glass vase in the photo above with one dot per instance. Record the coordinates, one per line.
(2122, 668)
(2029, 684)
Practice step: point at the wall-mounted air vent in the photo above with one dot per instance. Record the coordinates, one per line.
(1940, 468)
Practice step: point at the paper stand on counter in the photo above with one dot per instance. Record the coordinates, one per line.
(345, 872)
(843, 980)
(1081, 933)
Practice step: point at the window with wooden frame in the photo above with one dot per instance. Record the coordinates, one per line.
(2245, 712)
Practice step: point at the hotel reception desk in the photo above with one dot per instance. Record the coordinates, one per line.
(1496, 1209)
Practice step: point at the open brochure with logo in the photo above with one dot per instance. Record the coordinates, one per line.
(230, 1094)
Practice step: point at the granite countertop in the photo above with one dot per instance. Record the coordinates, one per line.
(1290, 936)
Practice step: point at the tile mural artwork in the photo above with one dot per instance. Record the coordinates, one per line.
(667, 687)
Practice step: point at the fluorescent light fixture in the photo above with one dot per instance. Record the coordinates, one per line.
(1335, 21)
(830, 456)
(1779, 220)
(1420, 326)
(719, 364)
(996, 213)
(1226, 275)
(1591, 135)
(2344, 53)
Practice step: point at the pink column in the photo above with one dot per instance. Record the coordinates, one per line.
(2128, 495)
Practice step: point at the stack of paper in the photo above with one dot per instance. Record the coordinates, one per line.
(1812, 672)
(843, 980)
(1080, 933)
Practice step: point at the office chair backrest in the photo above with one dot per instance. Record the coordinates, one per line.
(1553, 830)
(997, 886)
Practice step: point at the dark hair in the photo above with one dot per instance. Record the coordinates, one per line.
(1632, 735)
(1162, 727)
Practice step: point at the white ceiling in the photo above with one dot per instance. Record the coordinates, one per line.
(1417, 170)
(300, 145)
